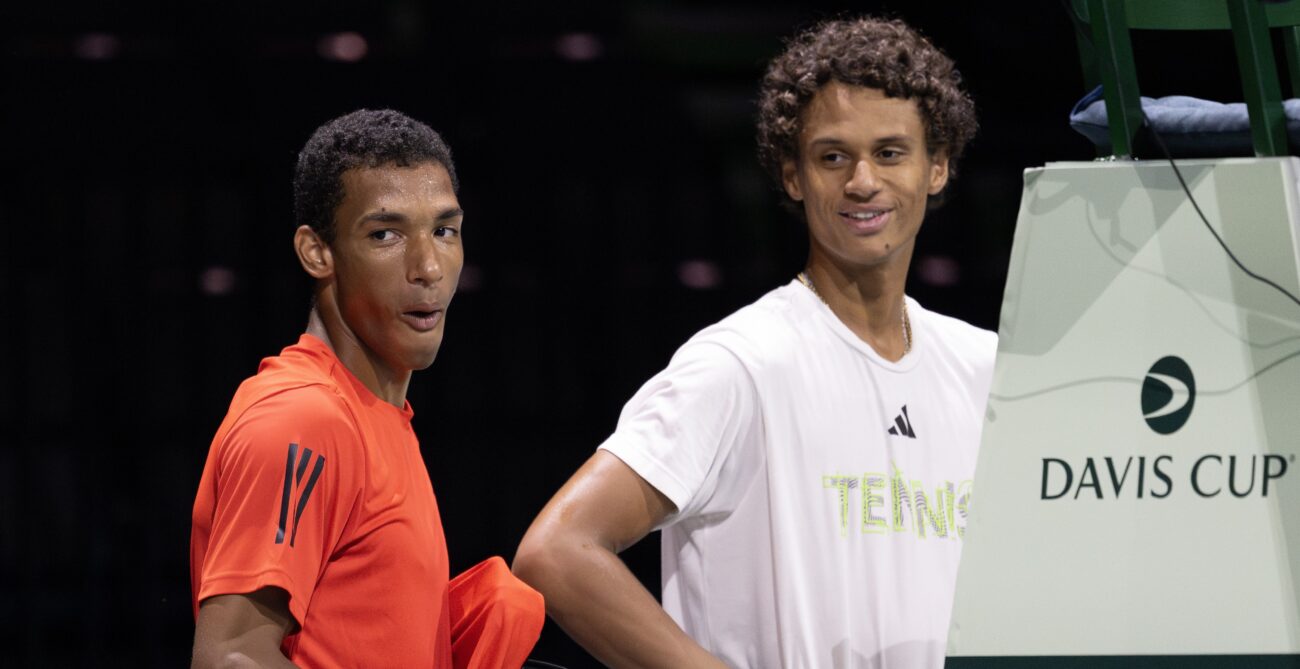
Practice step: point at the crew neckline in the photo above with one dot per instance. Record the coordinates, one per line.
(915, 312)
(340, 372)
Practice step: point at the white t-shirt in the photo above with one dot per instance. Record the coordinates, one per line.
(822, 491)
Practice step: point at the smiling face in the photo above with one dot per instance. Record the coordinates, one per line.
(396, 258)
(863, 175)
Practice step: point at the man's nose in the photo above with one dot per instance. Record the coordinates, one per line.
(424, 262)
(864, 182)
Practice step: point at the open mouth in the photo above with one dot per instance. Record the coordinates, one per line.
(422, 320)
(866, 221)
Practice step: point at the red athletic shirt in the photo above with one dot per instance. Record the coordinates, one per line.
(315, 485)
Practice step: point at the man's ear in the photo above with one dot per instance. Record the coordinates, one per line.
(790, 179)
(938, 171)
(313, 253)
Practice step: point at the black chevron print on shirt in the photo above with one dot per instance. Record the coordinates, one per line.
(294, 468)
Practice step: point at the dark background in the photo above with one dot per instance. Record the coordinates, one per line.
(614, 208)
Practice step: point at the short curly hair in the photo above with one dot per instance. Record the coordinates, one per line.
(364, 138)
(879, 53)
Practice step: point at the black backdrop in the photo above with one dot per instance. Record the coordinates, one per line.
(614, 207)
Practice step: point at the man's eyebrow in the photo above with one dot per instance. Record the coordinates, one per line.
(823, 141)
(889, 139)
(383, 216)
(895, 139)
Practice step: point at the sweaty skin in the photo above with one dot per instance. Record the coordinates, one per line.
(863, 153)
(382, 290)
(570, 554)
(396, 256)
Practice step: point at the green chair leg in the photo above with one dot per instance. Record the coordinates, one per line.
(1258, 77)
(1118, 73)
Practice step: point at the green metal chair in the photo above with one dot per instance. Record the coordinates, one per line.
(1106, 53)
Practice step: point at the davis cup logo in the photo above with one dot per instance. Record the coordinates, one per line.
(1168, 393)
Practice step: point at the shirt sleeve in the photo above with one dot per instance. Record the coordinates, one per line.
(288, 478)
(681, 427)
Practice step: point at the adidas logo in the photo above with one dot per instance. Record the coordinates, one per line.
(903, 425)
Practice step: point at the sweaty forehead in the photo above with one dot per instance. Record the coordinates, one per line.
(856, 113)
(425, 179)
(418, 193)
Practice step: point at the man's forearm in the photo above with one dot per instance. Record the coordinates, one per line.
(593, 596)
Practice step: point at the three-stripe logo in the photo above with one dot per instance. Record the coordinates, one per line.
(294, 468)
(903, 425)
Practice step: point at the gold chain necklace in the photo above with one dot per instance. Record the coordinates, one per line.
(906, 322)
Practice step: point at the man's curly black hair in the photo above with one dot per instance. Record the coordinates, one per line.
(364, 138)
(877, 53)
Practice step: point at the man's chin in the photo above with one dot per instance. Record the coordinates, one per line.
(421, 350)
(419, 360)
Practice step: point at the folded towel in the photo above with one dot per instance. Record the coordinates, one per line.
(1190, 126)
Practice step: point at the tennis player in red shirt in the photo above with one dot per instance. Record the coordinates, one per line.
(317, 540)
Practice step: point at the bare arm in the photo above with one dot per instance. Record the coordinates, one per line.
(243, 631)
(570, 555)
